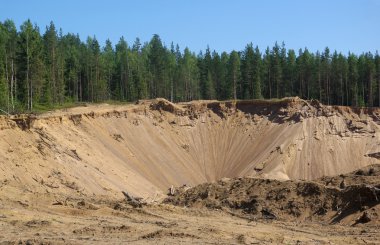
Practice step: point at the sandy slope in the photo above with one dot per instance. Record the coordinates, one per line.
(62, 173)
(147, 147)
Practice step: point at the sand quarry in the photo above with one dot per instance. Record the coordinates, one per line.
(285, 171)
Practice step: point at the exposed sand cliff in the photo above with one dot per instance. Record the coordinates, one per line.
(262, 172)
(147, 147)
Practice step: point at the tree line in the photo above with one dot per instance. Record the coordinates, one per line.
(54, 68)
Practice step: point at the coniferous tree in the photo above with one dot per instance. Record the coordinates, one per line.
(51, 59)
(353, 78)
(122, 71)
(369, 77)
(30, 60)
(9, 45)
(61, 88)
(276, 69)
(219, 66)
(377, 68)
(70, 46)
(206, 79)
(224, 59)
(247, 72)
(290, 73)
(144, 72)
(233, 75)
(305, 76)
(108, 61)
(55, 68)
(325, 69)
(172, 70)
(189, 73)
(318, 76)
(257, 64)
(137, 65)
(267, 73)
(157, 67)
(178, 88)
(4, 97)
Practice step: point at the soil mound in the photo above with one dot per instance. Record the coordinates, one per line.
(325, 200)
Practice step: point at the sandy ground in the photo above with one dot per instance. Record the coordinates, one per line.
(56, 168)
(89, 222)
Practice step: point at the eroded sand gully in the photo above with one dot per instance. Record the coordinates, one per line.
(98, 151)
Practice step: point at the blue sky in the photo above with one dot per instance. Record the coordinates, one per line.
(342, 25)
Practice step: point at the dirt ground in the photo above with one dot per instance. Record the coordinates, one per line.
(344, 209)
(90, 222)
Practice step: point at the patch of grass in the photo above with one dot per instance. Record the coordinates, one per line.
(39, 108)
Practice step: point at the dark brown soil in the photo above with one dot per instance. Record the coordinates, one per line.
(351, 199)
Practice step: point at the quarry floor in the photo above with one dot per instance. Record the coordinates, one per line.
(89, 222)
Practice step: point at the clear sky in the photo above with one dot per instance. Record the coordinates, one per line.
(224, 25)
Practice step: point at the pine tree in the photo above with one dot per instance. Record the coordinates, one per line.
(247, 73)
(318, 76)
(353, 78)
(224, 59)
(377, 67)
(206, 80)
(325, 70)
(51, 49)
(9, 41)
(61, 67)
(172, 70)
(178, 88)
(108, 60)
(267, 74)
(99, 87)
(277, 69)
(143, 72)
(370, 75)
(305, 71)
(219, 66)
(257, 64)
(233, 75)
(4, 98)
(157, 67)
(122, 71)
(290, 73)
(30, 60)
(70, 50)
(189, 74)
(136, 66)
